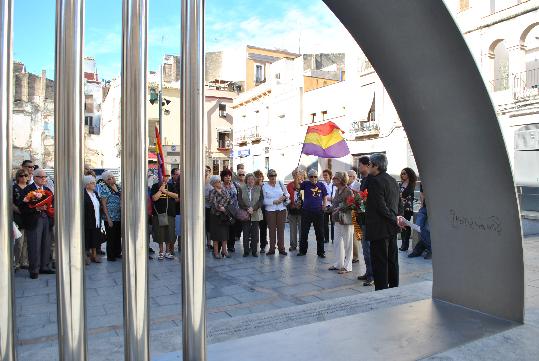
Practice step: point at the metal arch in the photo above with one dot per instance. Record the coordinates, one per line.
(427, 69)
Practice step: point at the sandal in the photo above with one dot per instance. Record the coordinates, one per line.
(343, 271)
(332, 268)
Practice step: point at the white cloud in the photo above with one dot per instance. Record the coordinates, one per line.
(313, 29)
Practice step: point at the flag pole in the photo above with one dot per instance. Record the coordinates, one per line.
(301, 152)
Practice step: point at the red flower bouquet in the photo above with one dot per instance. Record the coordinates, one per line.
(41, 198)
(357, 201)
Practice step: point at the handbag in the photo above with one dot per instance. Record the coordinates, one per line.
(242, 215)
(162, 218)
(345, 218)
(226, 218)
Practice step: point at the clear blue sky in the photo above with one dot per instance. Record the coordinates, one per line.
(268, 23)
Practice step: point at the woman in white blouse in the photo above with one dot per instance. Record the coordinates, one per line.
(275, 199)
(92, 219)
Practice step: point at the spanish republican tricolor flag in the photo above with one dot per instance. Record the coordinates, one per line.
(325, 141)
(160, 156)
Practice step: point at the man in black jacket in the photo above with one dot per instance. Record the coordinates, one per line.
(38, 226)
(383, 204)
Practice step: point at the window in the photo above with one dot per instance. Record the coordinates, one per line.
(278, 76)
(266, 164)
(224, 140)
(259, 74)
(313, 117)
(222, 110)
(226, 164)
(371, 116)
(215, 167)
(88, 104)
(88, 121)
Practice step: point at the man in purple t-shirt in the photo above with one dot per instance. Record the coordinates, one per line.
(314, 203)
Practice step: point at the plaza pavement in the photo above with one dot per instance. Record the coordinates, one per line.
(235, 287)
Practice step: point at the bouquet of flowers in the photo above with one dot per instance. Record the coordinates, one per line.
(41, 198)
(357, 201)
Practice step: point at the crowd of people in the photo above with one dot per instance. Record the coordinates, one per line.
(243, 205)
(246, 203)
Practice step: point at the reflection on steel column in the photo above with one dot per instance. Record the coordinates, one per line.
(192, 181)
(7, 326)
(68, 178)
(134, 153)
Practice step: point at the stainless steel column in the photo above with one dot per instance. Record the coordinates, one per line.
(192, 181)
(7, 324)
(134, 156)
(68, 158)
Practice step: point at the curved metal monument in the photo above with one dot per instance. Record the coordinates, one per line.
(427, 69)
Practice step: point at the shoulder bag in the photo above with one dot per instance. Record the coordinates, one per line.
(162, 218)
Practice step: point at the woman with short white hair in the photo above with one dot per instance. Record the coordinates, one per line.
(92, 219)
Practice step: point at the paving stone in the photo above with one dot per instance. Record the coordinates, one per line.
(298, 289)
(221, 301)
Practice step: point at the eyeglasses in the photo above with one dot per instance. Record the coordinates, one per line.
(272, 175)
(313, 176)
(40, 176)
(241, 175)
(23, 175)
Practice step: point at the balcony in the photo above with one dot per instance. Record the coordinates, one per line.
(365, 129)
(255, 136)
(526, 85)
(245, 136)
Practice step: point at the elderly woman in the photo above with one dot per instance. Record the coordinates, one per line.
(219, 227)
(207, 205)
(275, 197)
(230, 188)
(344, 230)
(92, 219)
(262, 225)
(294, 209)
(251, 200)
(110, 194)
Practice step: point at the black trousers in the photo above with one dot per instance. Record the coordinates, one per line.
(328, 224)
(406, 233)
(114, 239)
(316, 219)
(233, 233)
(263, 232)
(385, 263)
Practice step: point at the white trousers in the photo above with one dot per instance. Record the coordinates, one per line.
(343, 246)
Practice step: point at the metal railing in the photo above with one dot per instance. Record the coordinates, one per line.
(365, 128)
(252, 134)
(69, 132)
(526, 84)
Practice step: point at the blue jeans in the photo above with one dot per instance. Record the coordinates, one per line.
(422, 221)
(366, 245)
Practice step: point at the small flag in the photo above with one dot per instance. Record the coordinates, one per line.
(325, 141)
(161, 172)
